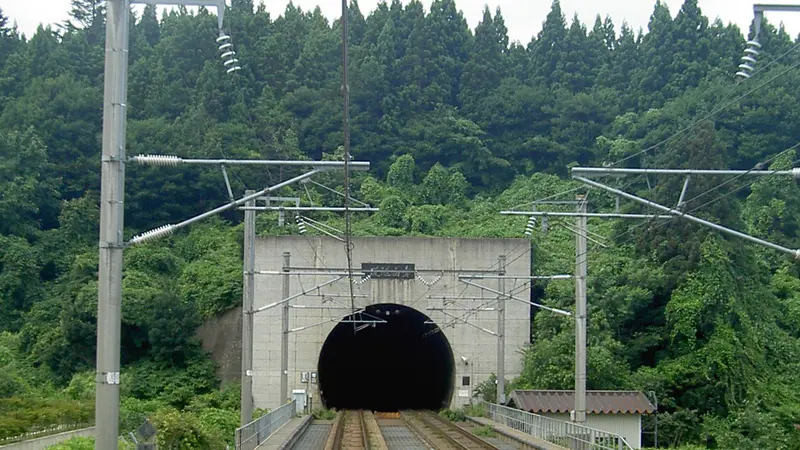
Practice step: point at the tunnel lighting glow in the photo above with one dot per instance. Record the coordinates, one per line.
(392, 366)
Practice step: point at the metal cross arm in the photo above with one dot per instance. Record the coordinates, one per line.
(588, 171)
(761, 7)
(170, 160)
(512, 277)
(300, 294)
(677, 213)
(169, 229)
(538, 305)
(345, 319)
(219, 4)
(337, 192)
(457, 319)
(307, 208)
(216, 3)
(577, 214)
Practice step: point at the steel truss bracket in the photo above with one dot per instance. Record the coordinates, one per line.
(300, 294)
(511, 297)
(355, 318)
(680, 214)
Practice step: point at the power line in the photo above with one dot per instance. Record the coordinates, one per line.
(716, 199)
(346, 128)
(710, 114)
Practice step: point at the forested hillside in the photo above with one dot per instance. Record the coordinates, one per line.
(458, 124)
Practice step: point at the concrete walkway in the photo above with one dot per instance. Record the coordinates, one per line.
(511, 435)
(286, 435)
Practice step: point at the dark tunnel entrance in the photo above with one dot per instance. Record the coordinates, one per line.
(400, 364)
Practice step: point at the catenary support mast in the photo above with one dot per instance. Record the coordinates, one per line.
(112, 194)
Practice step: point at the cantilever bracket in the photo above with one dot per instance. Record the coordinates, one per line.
(794, 253)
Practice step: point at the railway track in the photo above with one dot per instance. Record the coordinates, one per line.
(407, 430)
(441, 434)
(350, 432)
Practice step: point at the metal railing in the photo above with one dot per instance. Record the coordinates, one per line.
(250, 436)
(42, 432)
(565, 434)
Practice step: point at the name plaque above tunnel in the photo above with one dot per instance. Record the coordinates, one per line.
(402, 271)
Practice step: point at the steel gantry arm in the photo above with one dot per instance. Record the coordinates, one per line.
(677, 212)
(511, 297)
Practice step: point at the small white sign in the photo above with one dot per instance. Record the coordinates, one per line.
(112, 377)
(249, 373)
(463, 393)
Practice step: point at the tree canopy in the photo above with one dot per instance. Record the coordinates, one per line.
(457, 124)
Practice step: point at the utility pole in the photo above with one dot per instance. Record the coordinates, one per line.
(285, 330)
(247, 311)
(580, 312)
(112, 194)
(501, 332)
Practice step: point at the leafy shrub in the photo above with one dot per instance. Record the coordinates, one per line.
(476, 410)
(453, 415)
(184, 431)
(324, 414)
(134, 411)
(484, 430)
(87, 443)
(21, 415)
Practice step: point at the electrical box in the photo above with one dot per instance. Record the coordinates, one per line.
(299, 396)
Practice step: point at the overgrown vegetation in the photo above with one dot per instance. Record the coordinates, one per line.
(484, 430)
(456, 415)
(324, 414)
(457, 124)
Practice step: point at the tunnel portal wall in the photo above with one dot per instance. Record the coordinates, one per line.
(453, 256)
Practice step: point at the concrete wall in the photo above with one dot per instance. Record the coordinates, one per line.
(628, 426)
(222, 337)
(426, 253)
(46, 441)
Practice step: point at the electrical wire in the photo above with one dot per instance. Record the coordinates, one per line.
(346, 128)
(709, 115)
(665, 222)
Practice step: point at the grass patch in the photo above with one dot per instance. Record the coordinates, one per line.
(484, 430)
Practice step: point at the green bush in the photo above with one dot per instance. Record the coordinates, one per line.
(475, 410)
(134, 411)
(21, 415)
(484, 430)
(453, 415)
(184, 431)
(324, 414)
(87, 443)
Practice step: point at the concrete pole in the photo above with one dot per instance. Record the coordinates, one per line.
(112, 194)
(247, 311)
(501, 332)
(580, 313)
(285, 331)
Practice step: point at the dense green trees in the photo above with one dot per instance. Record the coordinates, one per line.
(457, 124)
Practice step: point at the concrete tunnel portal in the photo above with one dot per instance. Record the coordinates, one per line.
(401, 364)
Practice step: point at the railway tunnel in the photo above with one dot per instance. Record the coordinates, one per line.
(403, 363)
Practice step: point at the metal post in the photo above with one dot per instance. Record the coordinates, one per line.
(247, 312)
(285, 331)
(580, 313)
(501, 332)
(112, 194)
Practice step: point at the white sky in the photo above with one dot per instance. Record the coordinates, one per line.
(523, 17)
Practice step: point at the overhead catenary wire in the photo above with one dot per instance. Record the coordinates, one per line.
(346, 130)
(708, 116)
(666, 222)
